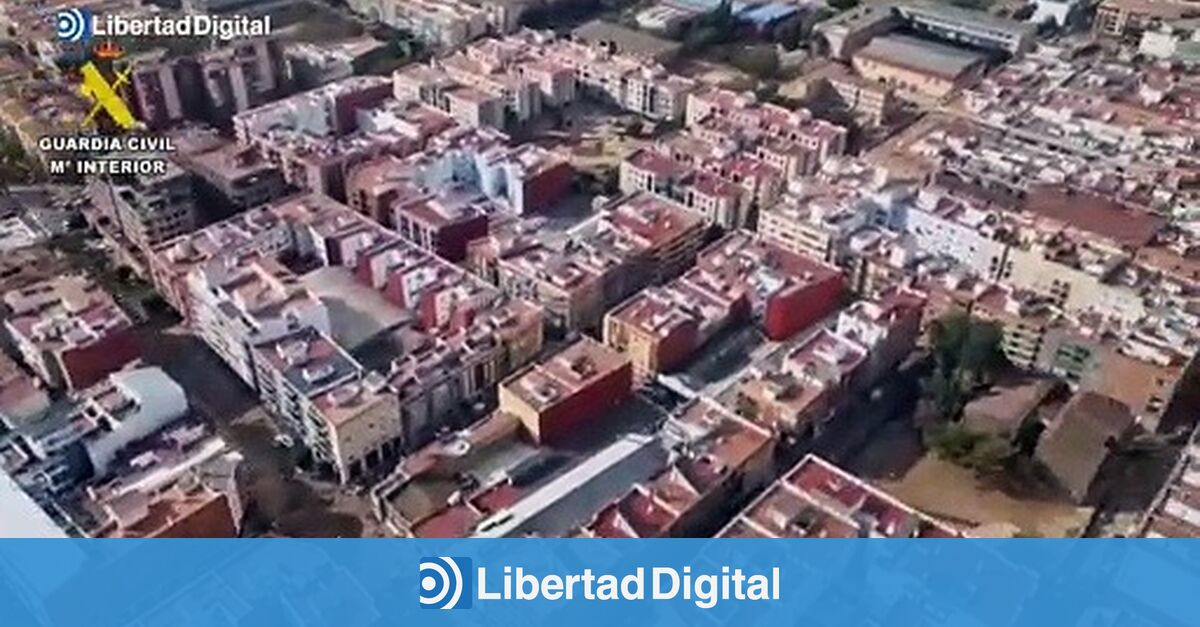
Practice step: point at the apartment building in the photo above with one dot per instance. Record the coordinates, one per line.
(661, 327)
(238, 303)
(795, 143)
(461, 174)
(970, 27)
(663, 233)
(123, 408)
(736, 278)
(960, 227)
(723, 459)
(184, 484)
(452, 336)
(721, 201)
(257, 232)
(867, 100)
(571, 287)
(211, 86)
(1128, 19)
(557, 397)
(162, 95)
(310, 65)
(888, 326)
(1079, 262)
(151, 210)
(816, 499)
(809, 388)
(228, 178)
(240, 77)
(315, 137)
(924, 71)
(818, 218)
(635, 242)
(505, 81)
(69, 332)
(348, 418)
(447, 24)
(817, 379)
(1024, 317)
(442, 225)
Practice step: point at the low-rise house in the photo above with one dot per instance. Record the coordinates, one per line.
(1081, 438)
(69, 331)
(816, 499)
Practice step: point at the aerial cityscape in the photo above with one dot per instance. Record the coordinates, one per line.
(600, 268)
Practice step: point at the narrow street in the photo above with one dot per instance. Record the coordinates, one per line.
(281, 501)
(875, 438)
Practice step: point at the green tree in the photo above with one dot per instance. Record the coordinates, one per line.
(967, 354)
(989, 455)
(982, 355)
(983, 453)
(946, 392)
(747, 408)
(761, 62)
(715, 27)
(948, 334)
(721, 17)
(15, 166)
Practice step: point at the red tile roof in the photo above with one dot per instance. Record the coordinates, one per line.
(1129, 227)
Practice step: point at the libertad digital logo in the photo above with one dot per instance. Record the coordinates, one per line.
(443, 581)
(446, 583)
(73, 25)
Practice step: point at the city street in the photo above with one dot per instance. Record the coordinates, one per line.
(283, 501)
(45, 205)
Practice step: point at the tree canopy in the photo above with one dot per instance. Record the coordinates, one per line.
(968, 353)
(15, 165)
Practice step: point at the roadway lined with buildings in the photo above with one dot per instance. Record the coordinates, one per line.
(438, 330)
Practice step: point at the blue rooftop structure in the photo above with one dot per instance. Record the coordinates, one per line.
(704, 6)
(768, 13)
(758, 13)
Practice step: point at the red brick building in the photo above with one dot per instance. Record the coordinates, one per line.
(546, 185)
(799, 306)
(440, 225)
(193, 512)
(787, 291)
(661, 327)
(568, 392)
(70, 332)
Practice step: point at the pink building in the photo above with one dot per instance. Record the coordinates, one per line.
(819, 500)
(686, 499)
(70, 332)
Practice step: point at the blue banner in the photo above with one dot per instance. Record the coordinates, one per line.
(378, 583)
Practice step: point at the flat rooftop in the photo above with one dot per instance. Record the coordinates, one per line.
(1127, 226)
(626, 40)
(559, 377)
(357, 313)
(921, 56)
